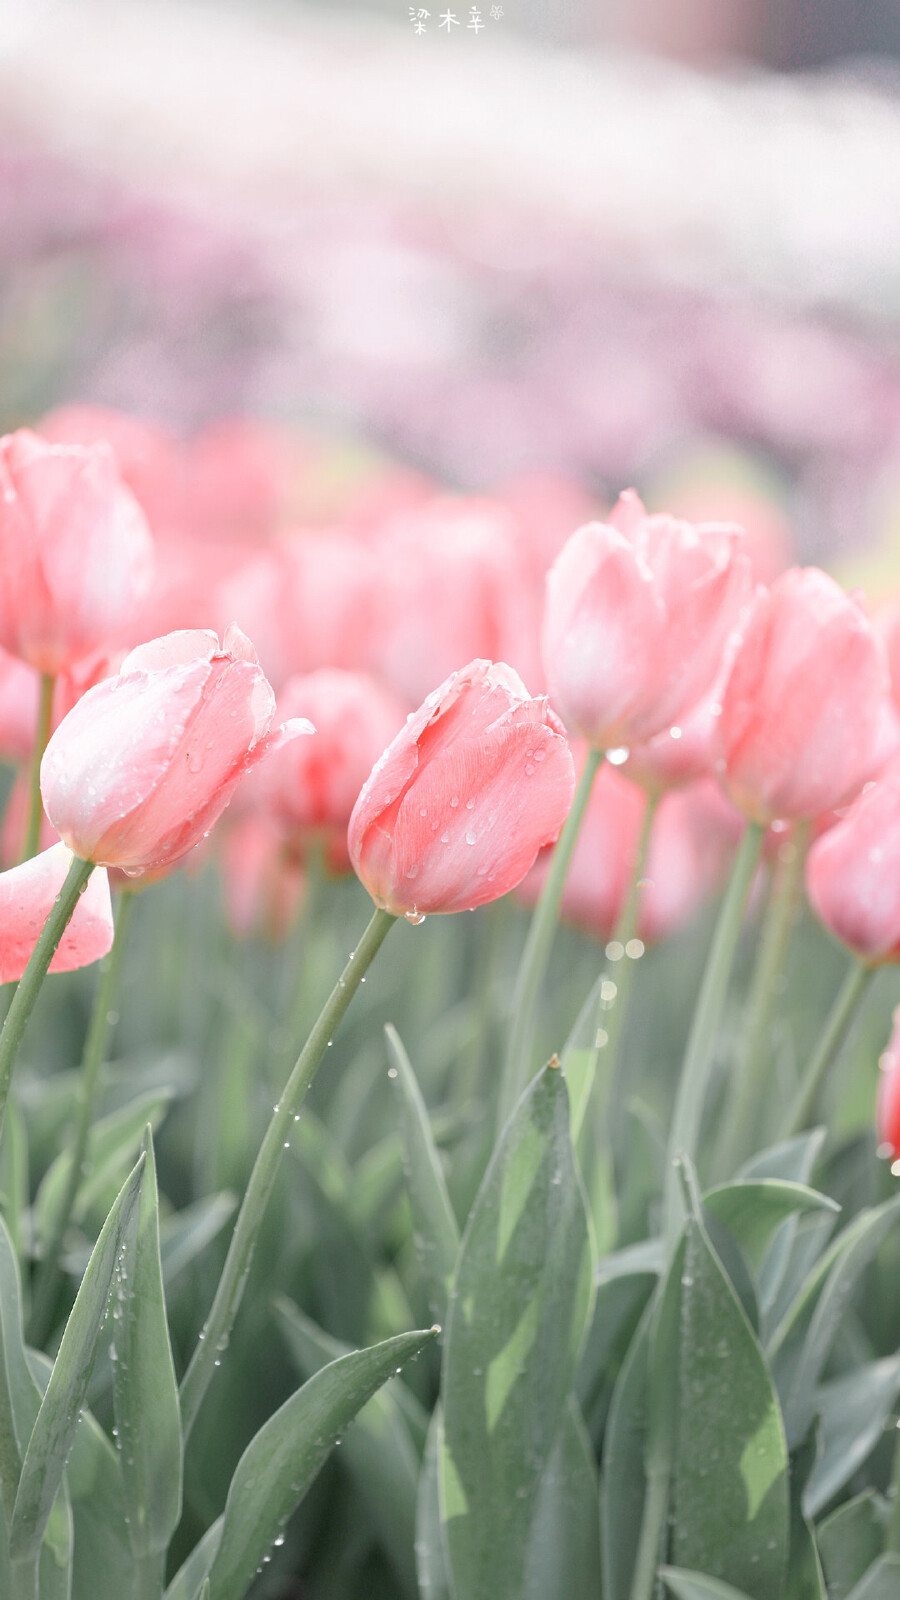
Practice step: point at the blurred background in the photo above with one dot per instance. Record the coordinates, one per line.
(650, 241)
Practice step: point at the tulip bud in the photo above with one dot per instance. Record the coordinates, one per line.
(853, 872)
(309, 788)
(457, 808)
(27, 895)
(75, 551)
(800, 729)
(145, 762)
(637, 616)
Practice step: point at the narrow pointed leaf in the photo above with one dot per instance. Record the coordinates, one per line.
(564, 1545)
(54, 1428)
(881, 1582)
(190, 1578)
(103, 1561)
(850, 1541)
(803, 1342)
(518, 1315)
(14, 1175)
(855, 1411)
(431, 1554)
(114, 1142)
(730, 1487)
(624, 1481)
(686, 1585)
(436, 1229)
(753, 1211)
(281, 1462)
(377, 1448)
(145, 1392)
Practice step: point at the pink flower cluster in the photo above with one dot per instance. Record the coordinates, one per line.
(416, 633)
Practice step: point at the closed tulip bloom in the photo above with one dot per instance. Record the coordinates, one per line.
(637, 615)
(75, 551)
(853, 872)
(27, 894)
(145, 762)
(802, 721)
(887, 1114)
(309, 788)
(457, 808)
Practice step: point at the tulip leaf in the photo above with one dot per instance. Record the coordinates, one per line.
(377, 1448)
(103, 1561)
(686, 1585)
(753, 1211)
(145, 1393)
(730, 1483)
(803, 1341)
(850, 1540)
(113, 1142)
(564, 1544)
(191, 1580)
(282, 1460)
(881, 1582)
(183, 1237)
(624, 1482)
(14, 1175)
(855, 1410)
(431, 1554)
(436, 1230)
(54, 1428)
(517, 1319)
(805, 1579)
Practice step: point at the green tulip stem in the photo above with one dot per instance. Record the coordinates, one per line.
(623, 971)
(26, 992)
(892, 1536)
(517, 1066)
(47, 1281)
(41, 736)
(699, 1055)
(831, 1038)
(217, 1328)
(753, 1056)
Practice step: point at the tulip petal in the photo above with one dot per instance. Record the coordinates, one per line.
(27, 893)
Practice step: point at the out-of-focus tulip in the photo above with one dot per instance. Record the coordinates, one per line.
(887, 1113)
(263, 878)
(20, 693)
(27, 894)
(452, 586)
(802, 722)
(637, 616)
(308, 601)
(689, 844)
(309, 788)
(75, 551)
(853, 872)
(149, 461)
(145, 762)
(455, 811)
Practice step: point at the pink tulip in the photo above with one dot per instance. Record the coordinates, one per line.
(27, 894)
(150, 462)
(689, 843)
(144, 763)
(309, 788)
(637, 616)
(263, 878)
(887, 1114)
(452, 585)
(802, 722)
(455, 811)
(853, 872)
(75, 551)
(308, 601)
